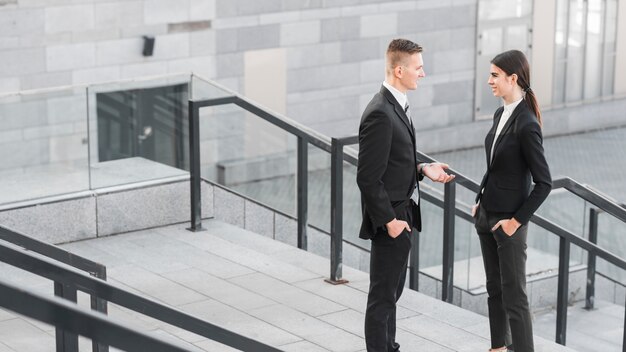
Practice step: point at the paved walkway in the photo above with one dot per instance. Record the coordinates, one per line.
(252, 285)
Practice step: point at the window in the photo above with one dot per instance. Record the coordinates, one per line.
(502, 25)
(584, 49)
(149, 123)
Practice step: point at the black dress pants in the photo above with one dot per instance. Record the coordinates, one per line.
(504, 258)
(388, 266)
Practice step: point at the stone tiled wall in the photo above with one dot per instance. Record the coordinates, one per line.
(334, 49)
(63, 42)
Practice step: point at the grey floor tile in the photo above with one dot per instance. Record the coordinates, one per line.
(309, 328)
(19, 335)
(341, 294)
(213, 346)
(348, 320)
(439, 310)
(302, 346)
(240, 322)
(155, 285)
(411, 342)
(443, 334)
(287, 294)
(220, 290)
(5, 348)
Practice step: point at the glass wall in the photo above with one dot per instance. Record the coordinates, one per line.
(43, 144)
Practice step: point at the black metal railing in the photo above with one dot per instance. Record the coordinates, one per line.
(335, 146)
(78, 321)
(72, 281)
(64, 341)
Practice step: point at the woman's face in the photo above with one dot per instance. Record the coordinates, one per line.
(501, 84)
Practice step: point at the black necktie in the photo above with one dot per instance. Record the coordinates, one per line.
(408, 115)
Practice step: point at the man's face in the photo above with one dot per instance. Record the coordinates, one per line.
(411, 71)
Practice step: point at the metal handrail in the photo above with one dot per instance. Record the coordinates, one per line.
(74, 280)
(70, 317)
(336, 147)
(51, 251)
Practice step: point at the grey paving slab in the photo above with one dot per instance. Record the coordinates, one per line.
(212, 346)
(342, 294)
(169, 246)
(155, 285)
(260, 262)
(302, 346)
(600, 329)
(220, 290)
(287, 294)
(20, 335)
(439, 310)
(133, 253)
(410, 342)
(5, 348)
(309, 328)
(348, 320)
(239, 322)
(442, 333)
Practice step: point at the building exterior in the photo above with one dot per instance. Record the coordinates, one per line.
(319, 61)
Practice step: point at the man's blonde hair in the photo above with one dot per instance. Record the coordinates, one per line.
(399, 50)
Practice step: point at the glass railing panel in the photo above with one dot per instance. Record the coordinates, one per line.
(319, 188)
(352, 214)
(138, 130)
(247, 154)
(568, 211)
(43, 144)
(203, 89)
(612, 237)
(431, 239)
(468, 262)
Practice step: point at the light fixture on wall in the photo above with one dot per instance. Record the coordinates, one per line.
(148, 45)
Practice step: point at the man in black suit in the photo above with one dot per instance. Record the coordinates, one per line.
(387, 175)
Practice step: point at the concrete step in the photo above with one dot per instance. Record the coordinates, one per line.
(600, 329)
(252, 285)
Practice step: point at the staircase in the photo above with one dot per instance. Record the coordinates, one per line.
(252, 285)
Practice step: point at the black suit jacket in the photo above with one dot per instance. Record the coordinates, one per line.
(387, 166)
(518, 156)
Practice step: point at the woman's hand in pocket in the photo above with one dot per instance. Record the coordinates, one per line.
(474, 210)
(509, 226)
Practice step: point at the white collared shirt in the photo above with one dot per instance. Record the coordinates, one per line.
(400, 97)
(506, 114)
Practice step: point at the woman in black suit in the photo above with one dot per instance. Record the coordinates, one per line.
(506, 201)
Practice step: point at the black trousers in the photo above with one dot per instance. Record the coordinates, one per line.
(504, 258)
(388, 266)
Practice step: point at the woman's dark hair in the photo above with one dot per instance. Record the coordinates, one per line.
(514, 61)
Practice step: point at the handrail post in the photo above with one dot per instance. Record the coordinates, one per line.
(65, 341)
(447, 277)
(302, 190)
(563, 291)
(591, 259)
(194, 167)
(100, 305)
(336, 212)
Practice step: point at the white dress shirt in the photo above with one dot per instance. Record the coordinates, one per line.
(506, 114)
(400, 97)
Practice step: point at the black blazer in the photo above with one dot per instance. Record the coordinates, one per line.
(518, 156)
(387, 166)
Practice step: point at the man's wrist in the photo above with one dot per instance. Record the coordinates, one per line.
(421, 167)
